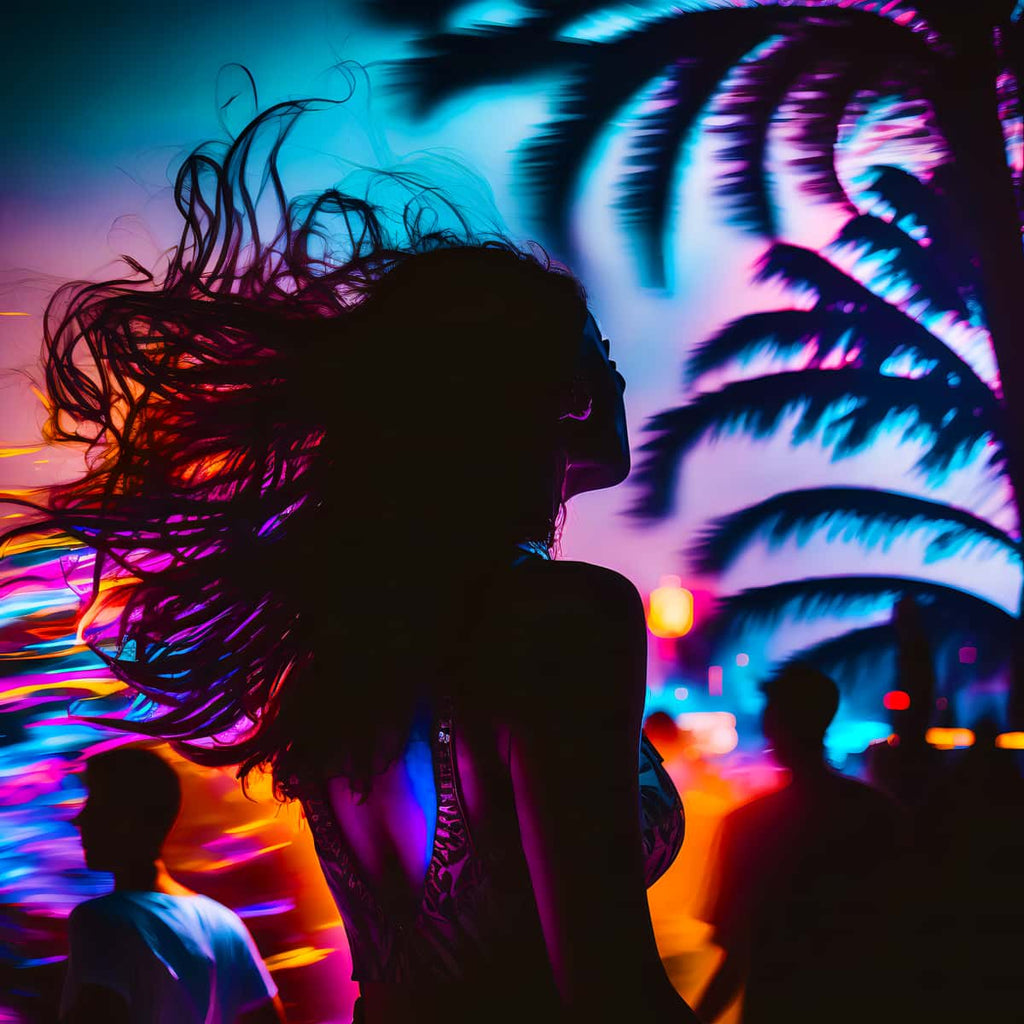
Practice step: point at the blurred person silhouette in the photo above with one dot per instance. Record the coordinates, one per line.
(334, 462)
(153, 951)
(803, 905)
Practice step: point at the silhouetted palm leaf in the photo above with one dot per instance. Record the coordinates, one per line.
(848, 656)
(928, 207)
(869, 338)
(868, 516)
(855, 655)
(757, 406)
(901, 259)
(757, 88)
(695, 51)
(855, 595)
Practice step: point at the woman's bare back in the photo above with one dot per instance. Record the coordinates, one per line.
(551, 689)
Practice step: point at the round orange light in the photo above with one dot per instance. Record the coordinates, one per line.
(670, 609)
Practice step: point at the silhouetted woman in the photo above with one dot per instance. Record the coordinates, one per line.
(323, 487)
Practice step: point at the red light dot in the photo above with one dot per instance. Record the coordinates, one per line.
(968, 655)
(897, 700)
(942, 703)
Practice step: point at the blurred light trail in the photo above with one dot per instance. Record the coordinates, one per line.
(301, 956)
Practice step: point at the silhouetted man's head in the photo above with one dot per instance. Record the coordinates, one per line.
(134, 799)
(801, 703)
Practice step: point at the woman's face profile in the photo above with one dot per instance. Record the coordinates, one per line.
(597, 447)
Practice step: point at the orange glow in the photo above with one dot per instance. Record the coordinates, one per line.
(1010, 740)
(36, 542)
(100, 605)
(10, 453)
(670, 609)
(897, 700)
(45, 399)
(99, 687)
(5, 313)
(947, 739)
(302, 956)
(714, 732)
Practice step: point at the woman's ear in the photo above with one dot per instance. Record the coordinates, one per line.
(579, 402)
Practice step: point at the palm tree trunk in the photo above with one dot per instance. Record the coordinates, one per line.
(986, 203)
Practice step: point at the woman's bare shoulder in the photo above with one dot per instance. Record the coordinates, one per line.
(575, 586)
(577, 623)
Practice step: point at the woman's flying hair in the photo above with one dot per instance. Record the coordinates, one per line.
(306, 456)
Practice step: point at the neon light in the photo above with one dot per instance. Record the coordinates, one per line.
(670, 609)
(715, 680)
(681, 693)
(301, 956)
(713, 732)
(742, 660)
(896, 700)
(1010, 741)
(948, 739)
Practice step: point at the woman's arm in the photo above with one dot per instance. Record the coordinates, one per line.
(574, 738)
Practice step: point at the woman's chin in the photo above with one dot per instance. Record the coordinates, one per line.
(595, 477)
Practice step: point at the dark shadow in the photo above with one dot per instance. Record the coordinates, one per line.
(803, 905)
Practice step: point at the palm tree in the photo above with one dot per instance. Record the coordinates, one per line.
(854, 363)
(817, 64)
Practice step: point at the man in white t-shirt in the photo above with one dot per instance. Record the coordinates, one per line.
(153, 951)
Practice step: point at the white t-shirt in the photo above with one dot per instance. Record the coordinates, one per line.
(174, 959)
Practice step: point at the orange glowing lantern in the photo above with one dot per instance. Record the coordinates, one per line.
(670, 609)
(1010, 741)
(948, 739)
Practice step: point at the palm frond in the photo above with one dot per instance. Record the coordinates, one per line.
(868, 339)
(698, 47)
(818, 98)
(826, 95)
(865, 515)
(817, 596)
(778, 332)
(409, 12)
(902, 260)
(455, 62)
(850, 655)
(908, 198)
(660, 145)
(926, 205)
(856, 654)
(757, 406)
(749, 100)
(804, 270)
